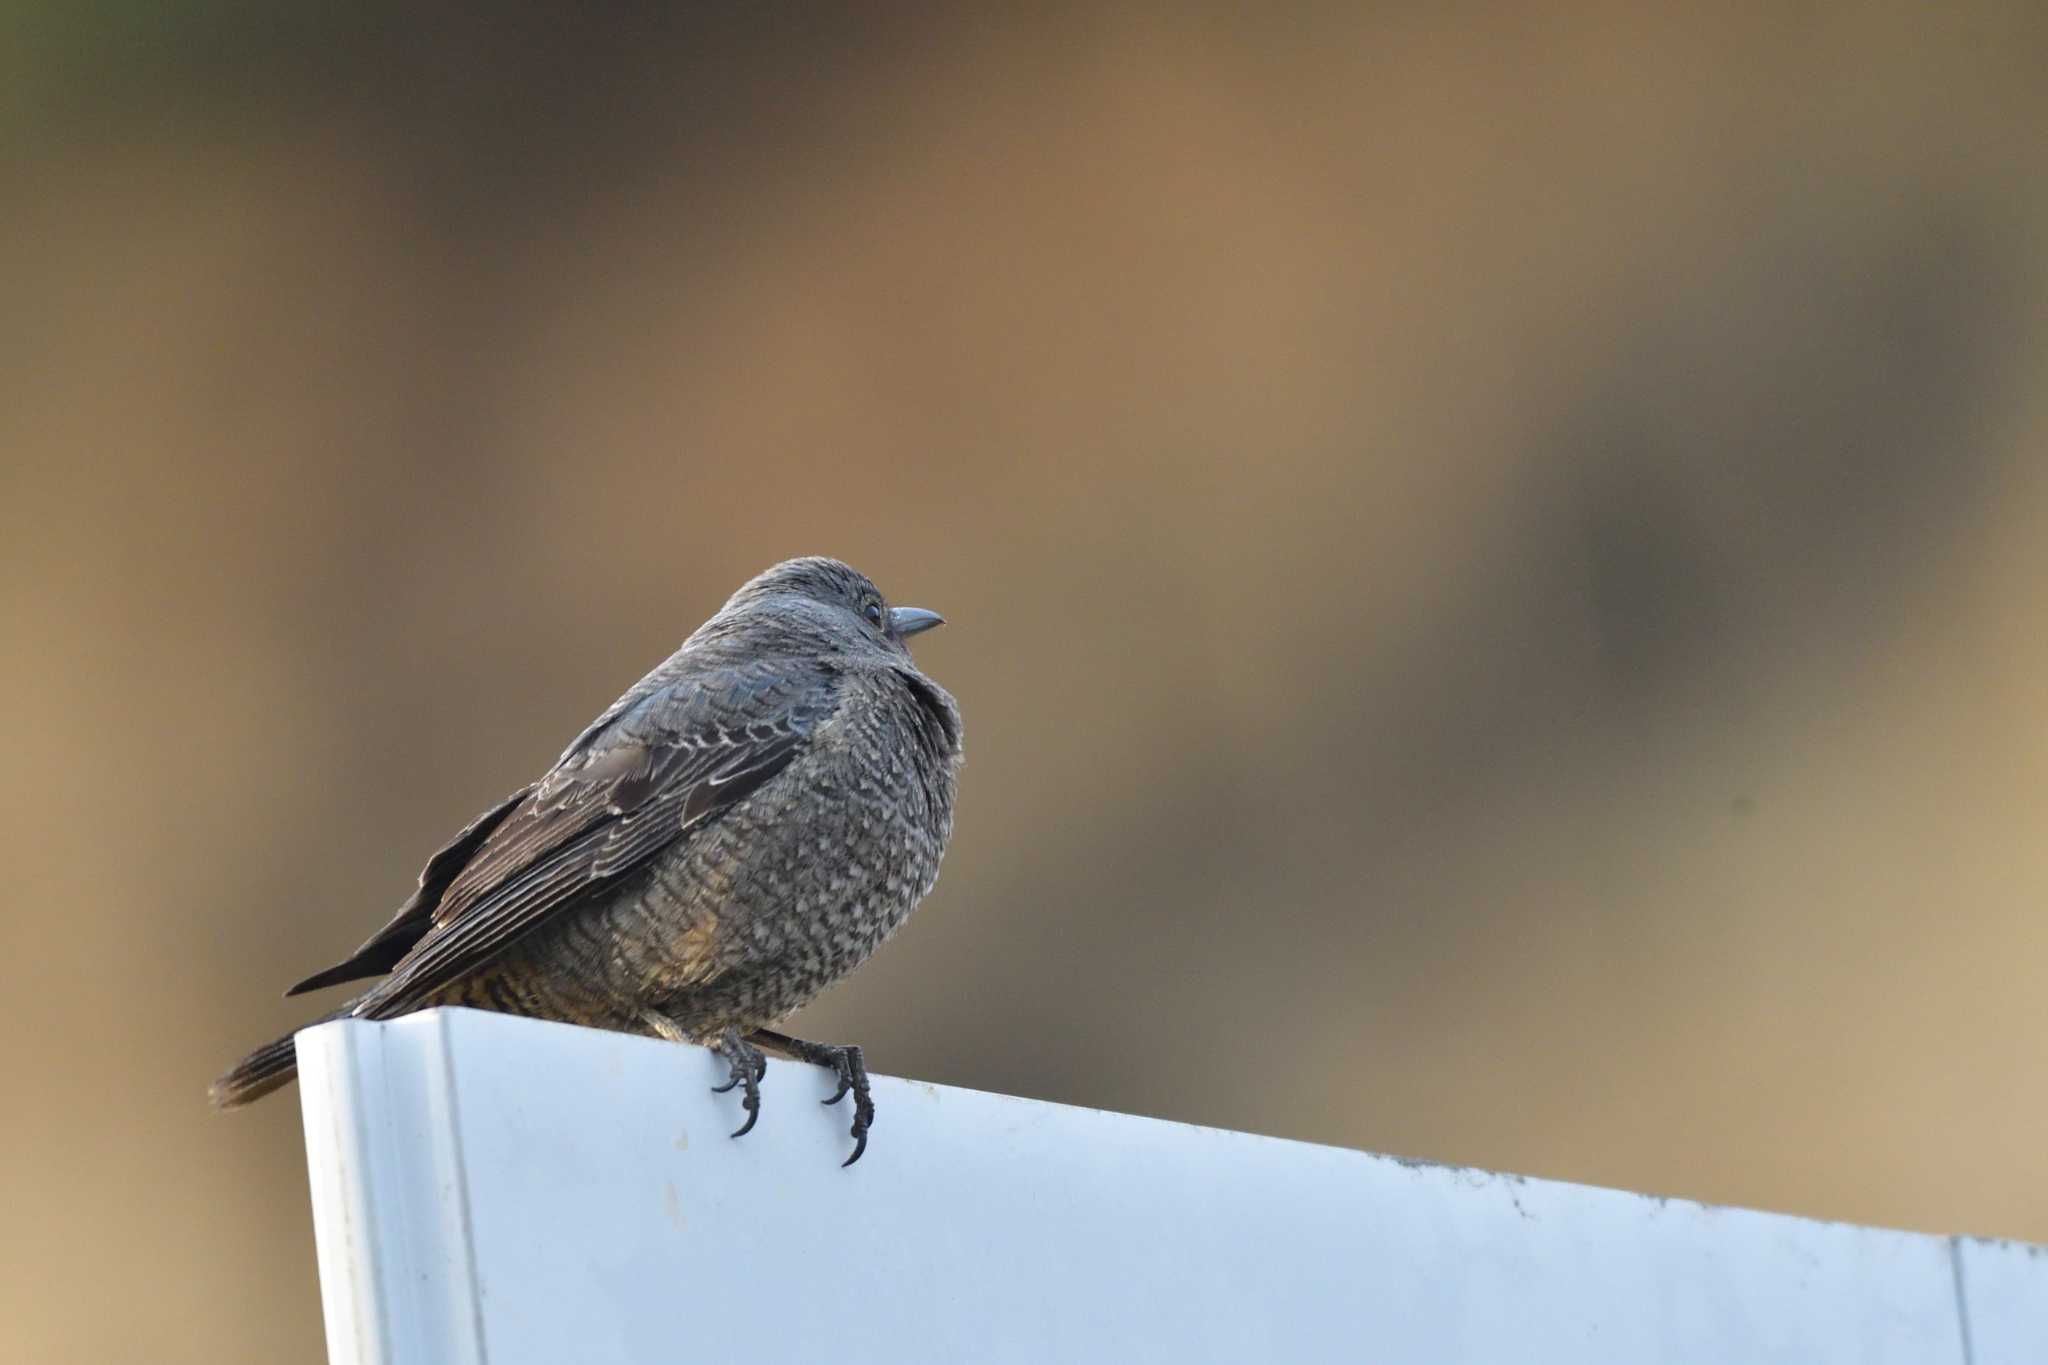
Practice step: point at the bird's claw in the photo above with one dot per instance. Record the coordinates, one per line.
(843, 1060)
(853, 1078)
(748, 1069)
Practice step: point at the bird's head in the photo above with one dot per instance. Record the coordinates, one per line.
(825, 603)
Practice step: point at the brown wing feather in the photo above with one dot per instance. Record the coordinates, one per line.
(385, 947)
(676, 759)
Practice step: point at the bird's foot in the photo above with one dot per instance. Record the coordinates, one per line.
(748, 1068)
(845, 1062)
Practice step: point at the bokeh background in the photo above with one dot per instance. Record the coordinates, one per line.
(1496, 562)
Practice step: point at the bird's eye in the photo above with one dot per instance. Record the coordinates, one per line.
(874, 613)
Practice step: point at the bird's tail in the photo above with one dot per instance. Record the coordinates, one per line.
(256, 1075)
(266, 1069)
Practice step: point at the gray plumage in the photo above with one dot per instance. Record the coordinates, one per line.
(742, 828)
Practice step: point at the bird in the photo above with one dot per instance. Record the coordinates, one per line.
(742, 828)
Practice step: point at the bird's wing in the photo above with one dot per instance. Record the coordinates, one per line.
(680, 756)
(385, 947)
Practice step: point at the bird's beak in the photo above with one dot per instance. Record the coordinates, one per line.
(908, 621)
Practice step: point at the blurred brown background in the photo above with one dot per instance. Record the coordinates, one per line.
(1496, 563)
